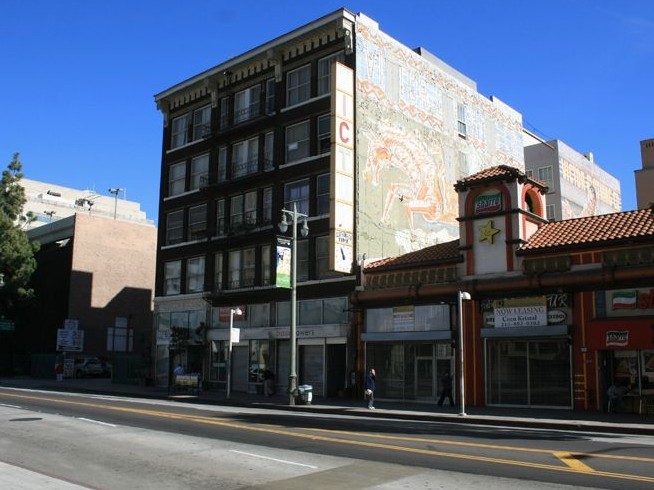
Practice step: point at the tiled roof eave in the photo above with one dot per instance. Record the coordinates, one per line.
(432, 264)
(592, 245)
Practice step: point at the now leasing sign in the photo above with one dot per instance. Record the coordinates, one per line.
(520, 316)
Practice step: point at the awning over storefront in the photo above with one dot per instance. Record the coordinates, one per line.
(624, 334)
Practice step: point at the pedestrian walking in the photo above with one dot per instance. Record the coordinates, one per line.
(446, 390)
(59, 370)
(268, 382)
(370, 388)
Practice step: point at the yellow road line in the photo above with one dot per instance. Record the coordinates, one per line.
(573, 462)
(426, 452)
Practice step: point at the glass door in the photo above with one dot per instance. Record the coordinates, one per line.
(424, 376)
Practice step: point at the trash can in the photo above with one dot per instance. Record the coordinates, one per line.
(305, 394)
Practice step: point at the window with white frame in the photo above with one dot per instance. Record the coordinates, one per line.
(546, 175)
(270, 96)
(266, 271)
(242, 267)
(324, 133)
(550, 212)
(247, 104)
(322, 194)
(245, 157)
(179, 131)
(218, 271)
(298, 85)
(266, 211)
(297, 193)
(268, 151)
(200, 171)
(175, 227)
(297, 142)
(324, 71)
(197, 222)
(461, 120)
(222, 164)
(172, 277)
(224, 112)
(243, 210)
(195, 275)
(201, 123)
(177, 179)
(220, 217)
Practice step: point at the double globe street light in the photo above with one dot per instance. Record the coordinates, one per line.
(294, 216)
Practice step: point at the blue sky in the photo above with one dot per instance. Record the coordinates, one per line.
(79, 76)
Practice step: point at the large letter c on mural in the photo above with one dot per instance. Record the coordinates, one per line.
(344, 132)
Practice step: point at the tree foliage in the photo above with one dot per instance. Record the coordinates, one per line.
(17, 261)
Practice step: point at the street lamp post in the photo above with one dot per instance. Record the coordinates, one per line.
(115, 191)
(462, 295)
(283, 226)
(232, 312)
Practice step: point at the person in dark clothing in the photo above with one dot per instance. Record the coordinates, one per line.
(370, 388)
(446, 390)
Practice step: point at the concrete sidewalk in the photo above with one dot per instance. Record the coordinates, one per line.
(491, 416)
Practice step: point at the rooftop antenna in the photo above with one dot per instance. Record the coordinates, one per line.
(115, 191)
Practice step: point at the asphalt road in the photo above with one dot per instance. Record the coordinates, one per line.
(113, 442)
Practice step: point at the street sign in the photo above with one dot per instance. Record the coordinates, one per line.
(7, 325)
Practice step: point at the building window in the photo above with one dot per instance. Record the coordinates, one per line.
(464, 170)
(325, 69)
(266, 272)
(218, 271)
(195, 275)
(200, 171)
(546, 175)
(322, 257)
(268, 151)
(298, 85)
(297, 193)
(245, 157)
(242, 267)
(224, 112)
(266, 212)
(324, 133)
(177, 179)
(222, 164)
(120, 338)
(175, 227)
(302, 260)
(550, 212)
(461, 118)
(297, 142)
(243, 210)
(220, 217)
(529, 173)
(322, 194)
(247, 104)
(179, 132)
(197, 222)
(270, 96)
(202, 123)
(172, 277)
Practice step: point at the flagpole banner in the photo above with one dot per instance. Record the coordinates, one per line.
(283, 276)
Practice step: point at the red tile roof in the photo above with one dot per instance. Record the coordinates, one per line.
(441, 252)
(592, 230)
(493, 174)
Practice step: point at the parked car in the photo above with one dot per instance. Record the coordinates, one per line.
(87, 367)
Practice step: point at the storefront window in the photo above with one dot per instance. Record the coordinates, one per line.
(218, 371)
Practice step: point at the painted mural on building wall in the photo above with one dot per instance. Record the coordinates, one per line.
(586, 189)
(419, 130)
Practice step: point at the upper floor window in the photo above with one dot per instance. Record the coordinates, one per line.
(242, 268)
(179, 131)
(550, 212)
(322, 257)
(245, 157)
(461, 119)
(324, 71)
(270, 96)
(546, 175)
(247, 104)
(195, 275)
(266, 212)
(268, 151)
(177, 179)
(197, 222)
(297, 141)
(266, 271)
(243, 210)
(175, 227)
(199, 171)
(201, 123)
(172, 277)
(222, 164)
(324, 133)
(302, 260)
(220, 217)
(297, 193)
(224, 112)
(298, 85)
(322, 194)
(218, 271)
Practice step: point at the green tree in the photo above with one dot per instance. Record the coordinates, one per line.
(17, 261)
